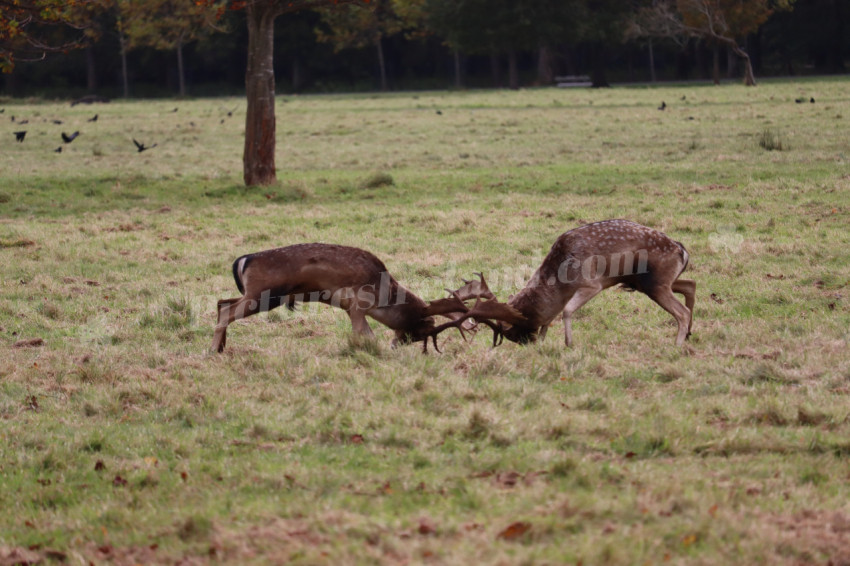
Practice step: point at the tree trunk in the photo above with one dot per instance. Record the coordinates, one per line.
(652, 76)
(258, 157)
(126, 81)
(458, 70)
(495, 70)
(599, 56)
(513, 71)
(749, 76)
(181, 78)
(91, 70)
(715, 66)
(545, 74)
(382, 64)
(297, 75)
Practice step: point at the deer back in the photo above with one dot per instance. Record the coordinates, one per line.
(600, 254)
(305, 268)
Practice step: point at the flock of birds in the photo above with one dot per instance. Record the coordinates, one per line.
(67, 138)
(799, 100)
(20, 135)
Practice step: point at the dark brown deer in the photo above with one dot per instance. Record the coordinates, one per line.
(345, 277)
(589, 259)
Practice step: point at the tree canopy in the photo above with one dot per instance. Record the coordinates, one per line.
(29, 29)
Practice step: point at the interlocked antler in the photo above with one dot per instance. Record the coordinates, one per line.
(486, 311)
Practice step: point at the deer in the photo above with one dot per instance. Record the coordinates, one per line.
(354, 280)
(587, 260)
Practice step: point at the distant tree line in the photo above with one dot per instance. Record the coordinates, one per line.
(200, 47)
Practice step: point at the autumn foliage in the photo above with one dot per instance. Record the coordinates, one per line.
(31, 29)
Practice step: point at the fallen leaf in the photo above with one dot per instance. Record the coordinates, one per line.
(507, 479)
(56, 555)
(630, 455)
(688, 540)
(119, 481)
(426, 527)
(716, 298)
(99, 466)
(184, 476)
(356, 439)
(514, 531)
(712, 510)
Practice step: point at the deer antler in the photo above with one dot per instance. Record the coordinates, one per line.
(474, 289)
(485, 311)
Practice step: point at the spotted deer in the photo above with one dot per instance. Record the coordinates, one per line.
(589, 259)
(351, 279)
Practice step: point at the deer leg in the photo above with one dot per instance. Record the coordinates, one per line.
(667, 301)
(688, 288)
(228, 311)
(579, 298)
(541, 334)
(359, 323)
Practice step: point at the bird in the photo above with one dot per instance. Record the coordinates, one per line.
(19, 136)
(92, 119)
(142, 147)
(812, 100)
(68, 139)
(663, 105)
(58, 149)
(57, 122)
(439, 112)
(799, 100)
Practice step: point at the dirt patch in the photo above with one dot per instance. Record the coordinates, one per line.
(812, 535)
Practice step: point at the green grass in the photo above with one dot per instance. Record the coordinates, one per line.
(123, 440)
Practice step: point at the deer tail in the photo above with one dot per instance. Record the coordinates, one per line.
(685, 258)
(238, 270)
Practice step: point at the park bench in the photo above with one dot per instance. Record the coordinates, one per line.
(567, 81)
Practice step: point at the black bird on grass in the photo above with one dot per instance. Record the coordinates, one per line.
(57, 122)
(19, 136)
(142, 147)
(68, 139)
(92, 119)
(663, 105)
(58, 149)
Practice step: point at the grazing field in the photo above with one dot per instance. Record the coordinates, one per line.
(122, 440)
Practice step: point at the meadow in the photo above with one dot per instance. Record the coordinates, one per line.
(124, 441)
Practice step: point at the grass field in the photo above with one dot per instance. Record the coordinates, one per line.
(123, 441)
